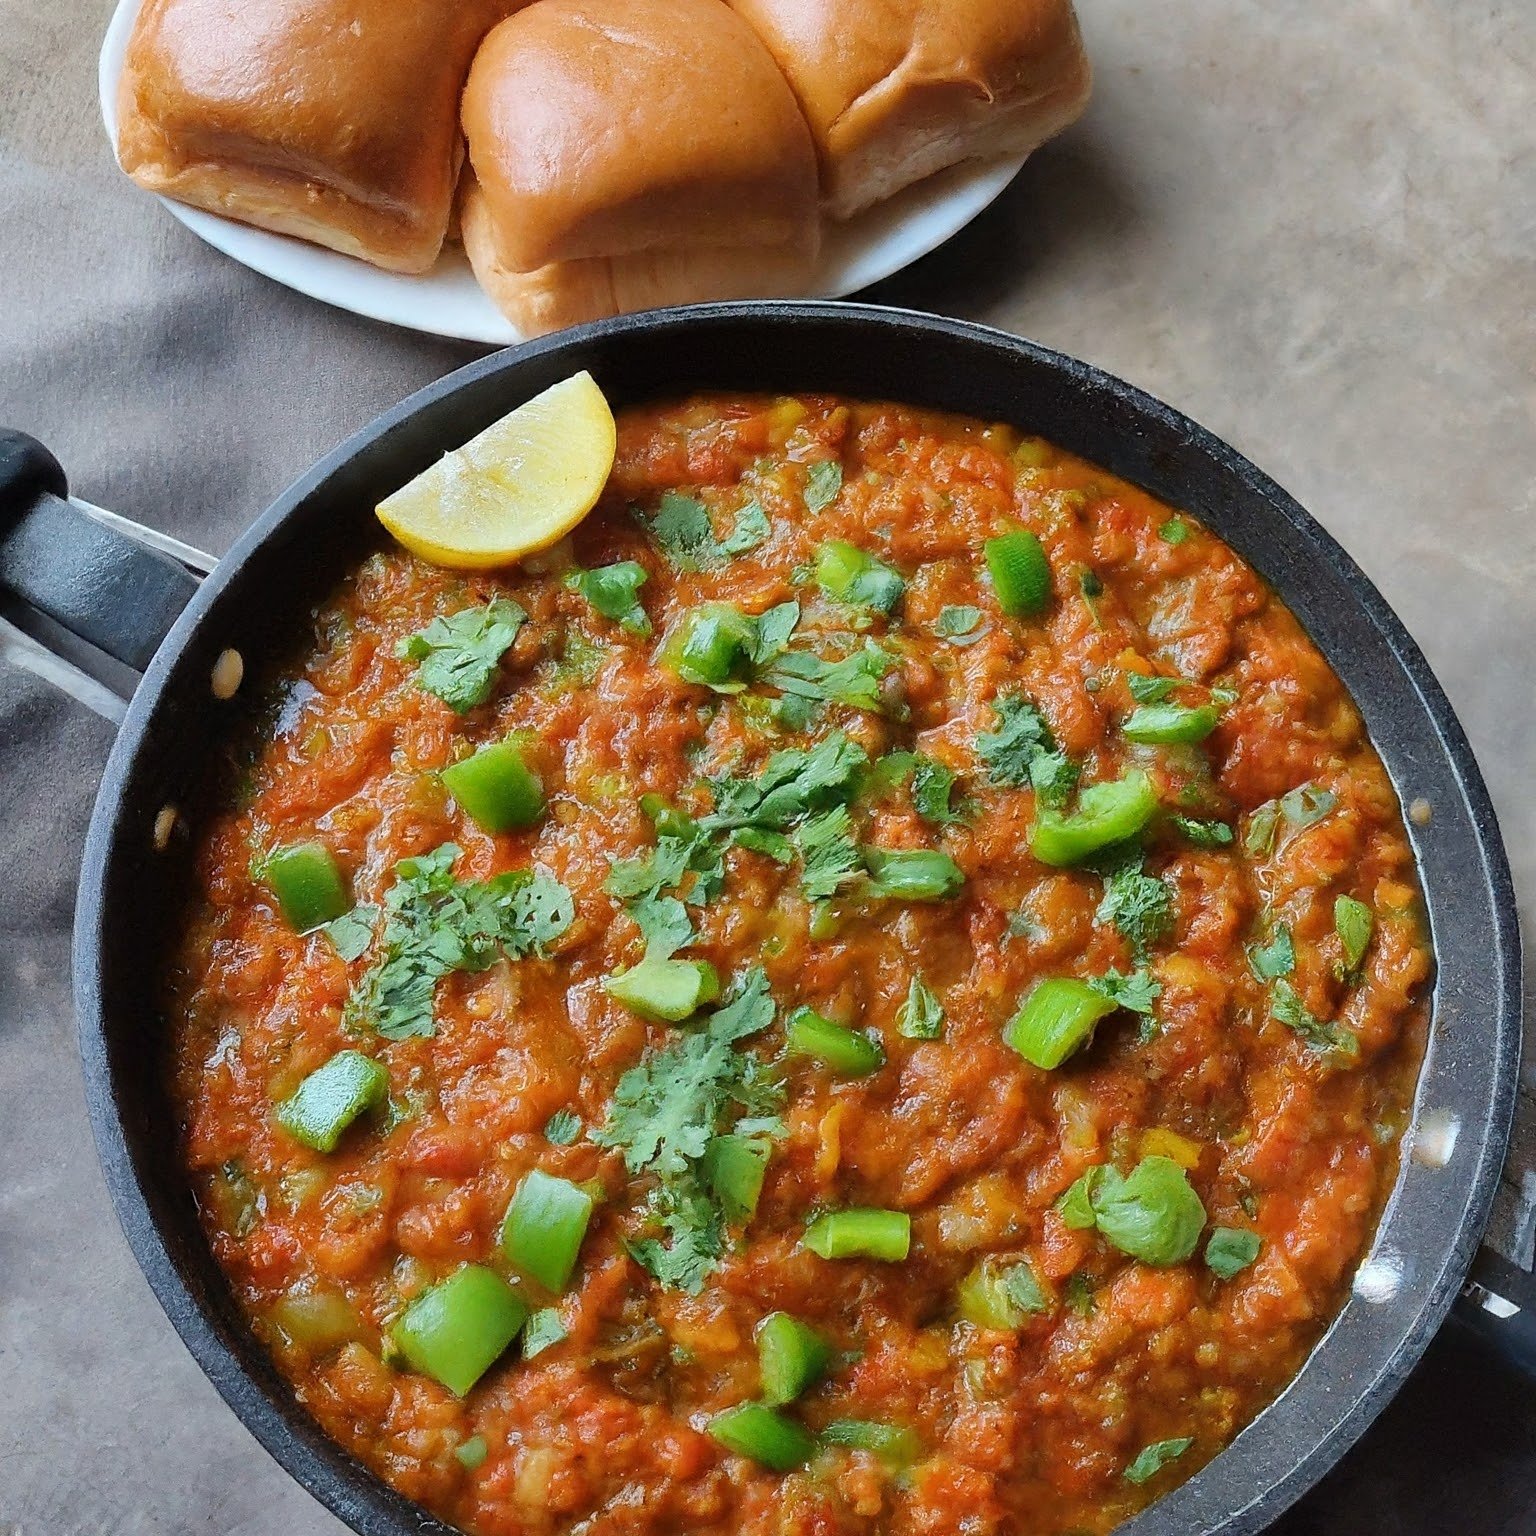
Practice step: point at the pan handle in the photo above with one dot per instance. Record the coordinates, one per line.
(1498, 1304)
(100, 577)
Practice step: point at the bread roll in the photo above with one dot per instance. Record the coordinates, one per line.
(333, 120)
(629, 154)
(895, 90)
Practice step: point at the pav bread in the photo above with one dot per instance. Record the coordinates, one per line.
(333, 120)
(895, 90)
(633, 153)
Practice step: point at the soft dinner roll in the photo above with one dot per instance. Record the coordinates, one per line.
(629, 154)
(897, 89)
(333, 120)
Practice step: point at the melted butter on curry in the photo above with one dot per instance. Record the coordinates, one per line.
(874, 989)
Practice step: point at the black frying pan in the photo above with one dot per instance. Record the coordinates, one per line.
(149, 612)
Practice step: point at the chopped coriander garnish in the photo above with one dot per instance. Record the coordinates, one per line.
(614, 591)
(1153, 1458)
(793, 783)
(1152, 1213)
(751, 529)
(458, 657)
(823, 480)
(921, 1016)
(1354, 923)
(960, 624)
(563, 1128)
(1089, 584)
(1174, 531)
(853, 680)
(1327, 1038)
(828, 852)
(1307, 804)
(434, 924)
(1021, 750)
(1148, 689)
(1139, 905)
(1136, 992)
(1078, 1293)
(352, 932)
(1202, 834)
(932, 787)
(683, 529)
(668, 1111)
(1276, 958)
(1230, 1250)
(542, 1331)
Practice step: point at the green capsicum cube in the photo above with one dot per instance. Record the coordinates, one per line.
(456, 1331)
(331, 1098)
(544, 1227)
(306, 883)
(496, 789)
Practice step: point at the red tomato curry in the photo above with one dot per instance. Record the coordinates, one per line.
(874, 989)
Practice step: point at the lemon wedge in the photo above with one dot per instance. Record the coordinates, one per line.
(519, 486)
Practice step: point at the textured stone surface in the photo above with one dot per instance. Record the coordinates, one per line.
(1310, 225)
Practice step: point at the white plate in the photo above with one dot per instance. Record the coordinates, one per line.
(449, 302)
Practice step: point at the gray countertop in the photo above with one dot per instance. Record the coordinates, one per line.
(1309, 225)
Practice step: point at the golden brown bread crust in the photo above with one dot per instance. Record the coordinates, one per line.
(332, 120)
(897, 89)
(603, 128)
(563, 293)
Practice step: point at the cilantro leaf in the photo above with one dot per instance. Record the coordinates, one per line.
(682, 528)
(1307, 805)
(921, 1016)
(1230, 1250)
(828, 852)
(1299, 808)
(854, 680)
(1023, 1289)
(1276, 958)
(1174, 531)
(543, 1330)
(434, 924)
(1139, 905)
(1021, 750)
(670, 1107)
(614, 591)
(563, 1129)
(1202, 834)
(457, 657)
(773, 631)
(793, 783)
(1137, 992)
(752, 528)
(664, 923)
(1329, 1039)
(959, 624)
(1146, 689)
(352, 932)
(933, 785)
(1153, 1458)
(823, 480)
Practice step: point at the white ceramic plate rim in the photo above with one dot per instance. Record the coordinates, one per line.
(447, 301)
